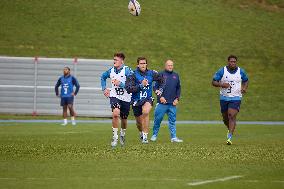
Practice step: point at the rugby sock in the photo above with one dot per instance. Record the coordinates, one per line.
(122, 132)
(114, 132)
(73, 118)
(65, 121)
(230, 135)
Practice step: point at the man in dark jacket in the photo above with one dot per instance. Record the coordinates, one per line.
(167, 102)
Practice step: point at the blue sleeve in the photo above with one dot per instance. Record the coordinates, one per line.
(57, 85)
(77, 85)
(104, 77)
(178, 88)
(218, 75)
(244, 75)
(128, 72)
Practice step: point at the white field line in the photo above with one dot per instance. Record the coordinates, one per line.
(215, 180)
(44, 87)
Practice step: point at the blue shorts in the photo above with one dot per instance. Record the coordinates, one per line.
(234, 104)
(137, 106)
(66, 100)
(123, 106)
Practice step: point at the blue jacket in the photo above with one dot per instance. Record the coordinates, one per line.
(172, 87)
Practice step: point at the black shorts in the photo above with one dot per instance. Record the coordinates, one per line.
(234, 104)
(137, 106)
(66, 100)
(123, 106)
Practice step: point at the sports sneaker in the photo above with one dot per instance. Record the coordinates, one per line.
(153, 138)
(176, 140)
(229, 142)
(74, 123)
(113, 142)
(122, 140)
(141, 136)
(145, 141)
(64, 124)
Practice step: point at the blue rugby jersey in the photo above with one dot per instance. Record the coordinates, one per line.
(134, 84)
(67, 84)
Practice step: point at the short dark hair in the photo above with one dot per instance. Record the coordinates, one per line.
(67, 68)
(141, 58)
(120, 55)
(232, 56)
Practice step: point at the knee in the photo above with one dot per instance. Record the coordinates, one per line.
(115, 113)
(231, 116)
(145, 112)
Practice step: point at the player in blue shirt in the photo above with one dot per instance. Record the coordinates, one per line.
(140, 85)
(67, 83)
(233, 83)
(119, 98)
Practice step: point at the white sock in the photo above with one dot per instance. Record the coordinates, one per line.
(65, 121)
(122, 132)
(73, 118)
(114, 132)
(144, 135)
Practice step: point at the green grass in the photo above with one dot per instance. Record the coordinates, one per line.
(198, 35)
(46, 155)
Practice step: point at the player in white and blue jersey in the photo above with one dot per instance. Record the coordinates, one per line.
(119, 97)
(233, 83)
(67, 83)
(140, 85)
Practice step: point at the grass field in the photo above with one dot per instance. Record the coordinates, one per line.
(46, 155)
(197, 34)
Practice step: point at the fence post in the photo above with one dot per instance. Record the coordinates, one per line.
(35, 86)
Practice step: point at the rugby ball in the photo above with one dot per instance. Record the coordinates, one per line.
(134, 8)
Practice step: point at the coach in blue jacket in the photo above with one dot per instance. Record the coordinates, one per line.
(167, 102)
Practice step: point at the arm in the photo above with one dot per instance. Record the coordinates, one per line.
(160, 81)
(77, 85)
(178, 90)
(217, 77)
(130, 85)
(244, 81)
(56, 87)
(104, 77)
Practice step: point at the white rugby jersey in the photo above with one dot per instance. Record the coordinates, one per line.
(116, 91)
(235, 81)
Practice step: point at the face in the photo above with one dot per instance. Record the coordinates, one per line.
(142, 65)
(232, 63)
(117, 62)
(169, 65)
(66, 71)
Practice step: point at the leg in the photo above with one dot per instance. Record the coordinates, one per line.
(232, 115)
(225, 119)
(159, 113)
(72, 113)
(172, 121)
(65, 112)
(139, 123)
(115, 117)
(146, 108)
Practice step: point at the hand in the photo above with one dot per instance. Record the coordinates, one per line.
(145, 82)
(158, 92)
(243, 90)
(225, 85)
(73, 94)
(175, 102)
(163, 100)
(116, 82)
(58, 95)
(106, 92)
